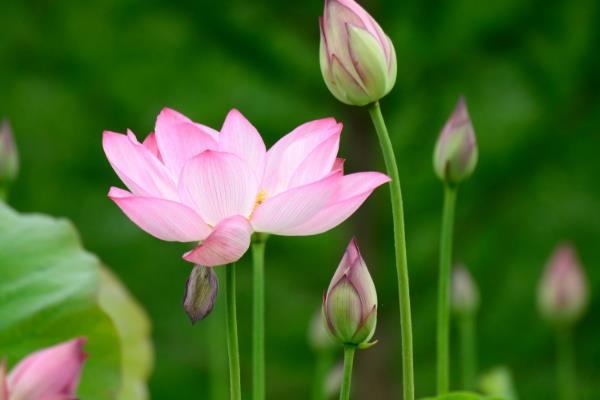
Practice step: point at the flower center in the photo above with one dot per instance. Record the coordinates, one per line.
(260, 198)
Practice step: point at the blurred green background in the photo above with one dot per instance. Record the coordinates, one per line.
(530, 73)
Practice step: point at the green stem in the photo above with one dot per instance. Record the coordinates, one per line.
(258, 323)
(400, 248)
(349, 351)
(217, 360)
(443, 337)
(566, 364)
(468, 342)
(235, 390)
(323, 366)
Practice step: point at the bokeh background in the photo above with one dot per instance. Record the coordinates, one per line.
(530, 73)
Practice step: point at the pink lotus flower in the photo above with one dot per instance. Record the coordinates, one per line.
(49, 374)
(190, 183)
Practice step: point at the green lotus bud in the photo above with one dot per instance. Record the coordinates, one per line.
(9, 157)
(465, 295)
(200, 293)
(498, 382)
(563, 291)
(358, 60)
(456, 153)
(350, 304)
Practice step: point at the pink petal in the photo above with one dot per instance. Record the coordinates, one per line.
(48, 373)
(152, 146)
(282, 213)
(179, 139)
(318, 163)
(137, 167)
(239, 137)
(339, 164)
(284, 158)
(218, 185)
(164, 219)
(226, 244)
(354, 189)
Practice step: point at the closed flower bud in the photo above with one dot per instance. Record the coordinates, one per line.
(9, 158)
(350, 304)
(563, 292)
(456, 153)
(358, 60)
(200, 293)
(465, 295)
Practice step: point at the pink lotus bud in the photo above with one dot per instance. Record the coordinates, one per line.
(563, 292)
(200, 293)
(9, 157)
(465, 295)
(51, 373)
(358, 60)
(456, 153)
(350, 304)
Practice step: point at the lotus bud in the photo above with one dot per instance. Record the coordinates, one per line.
(9, 158)
(319, 337)
(456, 153)
(52, 373)
(498, 382)
(200, 293)
(563, 292)
(465, 295)
(358, 60)
(350, 304)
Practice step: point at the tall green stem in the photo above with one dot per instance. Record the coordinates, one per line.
(349, 351)
(566, 364)
(217, 367)
(400, 248)
(468, 344)
(443, 328)
(235, 389)
(258, 323)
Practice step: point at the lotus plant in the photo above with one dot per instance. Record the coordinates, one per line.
(562, 299)
(454, 160)
(359, 66)
(190, 183)
(49, 374)
(350, 308)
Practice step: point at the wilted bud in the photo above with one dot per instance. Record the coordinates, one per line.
(350, 304)
(200, 293)
(456, 154)
(465, 295)
(319, 337)
(52, 373)
(563, 294)
(9, 158)
(358, 60)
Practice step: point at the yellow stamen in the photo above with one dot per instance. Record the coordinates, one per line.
(260, 198)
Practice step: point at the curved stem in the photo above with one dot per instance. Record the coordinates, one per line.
(400, 248)
(468, 341)
(443, 317)
(566, 364)
(258, 323)
(235, 390)
(349, 351)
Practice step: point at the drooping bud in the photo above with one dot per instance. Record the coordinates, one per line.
(456, 153)
(9, 157)
(200, 293)
(563, 292)
(350, 304)
(319, 337)
(358, 60)
(52, 373)
(465, 295)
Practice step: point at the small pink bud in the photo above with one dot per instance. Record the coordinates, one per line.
(465, 295)
(51, 373)
(350, 304)
(563, 292)
(200, 293)
(456, 154)
(9, 157)
(358, 60)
